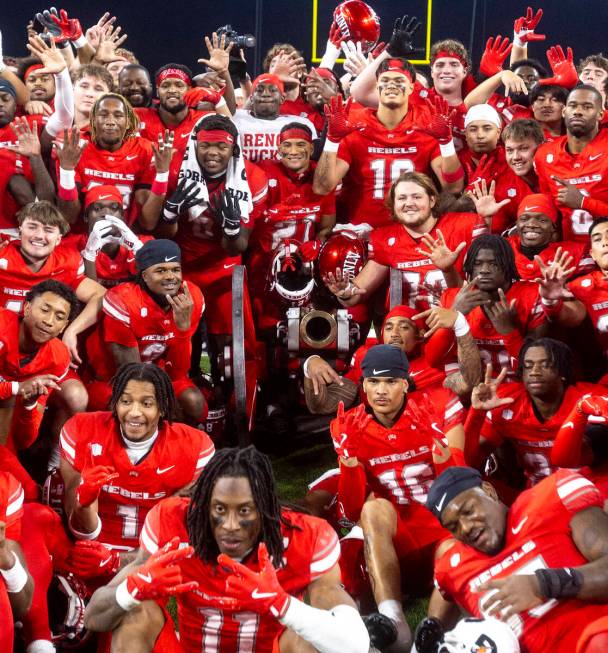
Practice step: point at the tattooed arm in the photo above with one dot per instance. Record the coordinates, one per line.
(590, 534)
(469, 364)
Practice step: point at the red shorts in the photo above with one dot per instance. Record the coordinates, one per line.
(100, 392)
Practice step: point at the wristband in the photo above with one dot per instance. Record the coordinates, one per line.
(305, 366)
(80, 42)
(15, 577)
(79, 535)
(330, 146)
(15, 388)
(563, 583)
(461, 326)
(330, 56)
(123, 597)
(160, 183)
(517, 42)
(447, 149)
(67, 179)
(551, 307)
(451, 177)
(221, 103)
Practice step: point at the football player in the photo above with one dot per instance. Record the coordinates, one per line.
(521, 139)
(90, 81)
(135, 85)
(593, 70)
(539, 566)
(242, 567)
(547, 103)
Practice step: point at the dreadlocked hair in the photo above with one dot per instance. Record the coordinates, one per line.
(503, 253)
(132, 119)
(165, 395)
(233, 463)
(558, 352)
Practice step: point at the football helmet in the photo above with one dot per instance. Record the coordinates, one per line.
(343, 250)
(290, 275)
(358, 22)
(480, 636)
(66, 601)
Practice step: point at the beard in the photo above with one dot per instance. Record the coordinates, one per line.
(175, 109)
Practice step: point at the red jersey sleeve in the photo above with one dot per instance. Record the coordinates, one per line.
(258, 186)
(11, 504)
(117, 319)
(205, 454)
(160, 521)
(326, 551)
(489, 431)
(576, 492)
(70, 446)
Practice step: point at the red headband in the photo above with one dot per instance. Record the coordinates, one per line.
(173, 72)
(267, 78)
(396, 66)
(102, 193)
(538, 203)
(31, 69)
(214, 136)
(401, 311)
(326, 73)
(295, 132)
(444, 54)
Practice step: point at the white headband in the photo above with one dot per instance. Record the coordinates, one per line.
(482, 112)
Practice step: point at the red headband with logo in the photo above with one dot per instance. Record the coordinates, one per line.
(102, 193)
(173, 72)
(214, 136)
(445, 54)
(31, 69)
(396, 66)
(538, 203)
(267, 78)
(294, 132)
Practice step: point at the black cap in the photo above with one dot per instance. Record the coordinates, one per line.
(7, 87)
(157, 251)
(385, 360)
(449, 484)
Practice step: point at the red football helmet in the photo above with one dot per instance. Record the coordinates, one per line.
(66, 598)
(343, 250)
(358, 22)
(290, 275)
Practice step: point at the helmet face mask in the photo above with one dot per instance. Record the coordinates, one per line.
(358, 22)
(290, 276)
(66, 600)
(479, 636)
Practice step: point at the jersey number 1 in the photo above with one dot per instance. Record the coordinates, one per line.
(378, 167)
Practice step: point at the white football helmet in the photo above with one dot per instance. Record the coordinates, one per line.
(480, 636)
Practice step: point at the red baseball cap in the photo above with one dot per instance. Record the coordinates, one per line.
(105, 192)
(538, 203)
(267, 78)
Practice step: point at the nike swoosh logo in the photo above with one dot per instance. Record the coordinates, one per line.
(376, 372)
(262, 595)
(568, 425)
(439, 505)
(227, 266)
(593, 158)
(162, 471)
(104, 197)
(515, 530)
(131, 157)
(147, 578)
(169, 258)
(104, 563)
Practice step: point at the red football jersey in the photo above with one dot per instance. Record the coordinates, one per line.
(133, 319)
(294, 211)
(16, 278)
(421, 96)
(531, 437)
(423, 283)
(592, 291)
(376, 157)
(176, 458)
(588, 171)
(10, 165)
(302, 109)
(200, 239)
(537, 536)
(493, 346)
(311, 549)
(528, 268)
(11, 504)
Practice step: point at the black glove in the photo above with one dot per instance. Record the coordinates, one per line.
(400, 44)
(429, 635)
(184, 198)
(382, 630)
(44, 21)
(227, 214)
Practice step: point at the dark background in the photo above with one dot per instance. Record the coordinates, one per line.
(171, 30)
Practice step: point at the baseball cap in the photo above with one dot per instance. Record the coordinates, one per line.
(102, 193)
(538, 203)
(157, 251)
(482, 112)
(385, 360)
(448, 485)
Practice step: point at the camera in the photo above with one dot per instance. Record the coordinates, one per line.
(232, 36)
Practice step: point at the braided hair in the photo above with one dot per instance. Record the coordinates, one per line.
(234, 463)
(558, 352)
(132, 119)
(148, 372)
(503, 253)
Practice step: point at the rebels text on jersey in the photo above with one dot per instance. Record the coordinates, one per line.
(311, 549)
(177, 457)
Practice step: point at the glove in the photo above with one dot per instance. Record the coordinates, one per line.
(523, 28)
(184, 198)
(400, 44)
(90, 559)
(336, 115)
(429, 634)
(346, 430)
(200, 94)
(335, 35)
(159, 576)
(100, 235)
(440, 124)
(92, 478)
(563, 68)
(309, 250)
(593, 405)
(70, 28)
(494, 55)
(227, 214)
(259, 591)
(127, 239)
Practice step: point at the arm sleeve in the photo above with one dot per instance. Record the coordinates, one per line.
(25, 424)
(597, 208)
(63, 115)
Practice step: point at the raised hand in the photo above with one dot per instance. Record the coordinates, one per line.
(227, 214)
(484, 395)
(347, 430)
(568, 195)
(70, 29)
(258, 591)
(71, 150)
(95, 32)
(513, 83)
(401, 43)
(355, 61)
(92, 478)
(287, 66)
(51, 58)
(441, 122)
(182, 305)
(219, 53)
(552, 284)
(469, 297)
(563, 68)
(110, 40)
(336, 115)
(502, 314)
(316, 84)
(28, 143)
(437, 318)
(523, 28)
(127, 237)
(340, 284)
(484, 200)
(163, 151)
(90, 559)
(595, 405)
(442, 257)
(183, 199)
(494, 56)
(335, 35)
(102, 233)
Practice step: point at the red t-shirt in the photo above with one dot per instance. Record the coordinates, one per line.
(177, 457)
(376, 157)
(529, 269)
(133, 319)
(592, 291)
(588, 171)
(423, 283)
(311, 549)
(16, 278)
(537, 536)
(531, 437)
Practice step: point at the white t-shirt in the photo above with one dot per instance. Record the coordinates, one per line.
(259, 138)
